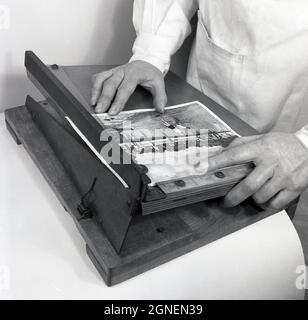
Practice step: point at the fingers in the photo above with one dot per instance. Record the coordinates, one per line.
(234, 156)
(253, 182)
(158, 92)
(282, 200)
(268, 191)
(118, 85)
(98, 81)
(110, 88)
(125, 90)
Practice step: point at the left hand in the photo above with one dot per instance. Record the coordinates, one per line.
(280, 175)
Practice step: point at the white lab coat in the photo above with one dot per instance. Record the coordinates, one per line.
(251, 56)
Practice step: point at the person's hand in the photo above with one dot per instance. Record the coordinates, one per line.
(280, 174)
(112, 88)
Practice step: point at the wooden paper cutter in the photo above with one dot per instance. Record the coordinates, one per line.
(120, 240)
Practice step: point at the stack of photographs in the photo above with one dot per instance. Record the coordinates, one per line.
(175, 147)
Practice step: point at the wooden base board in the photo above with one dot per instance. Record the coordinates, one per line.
(151, 240)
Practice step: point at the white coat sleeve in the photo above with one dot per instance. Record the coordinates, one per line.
(302, 135)
(161, 27)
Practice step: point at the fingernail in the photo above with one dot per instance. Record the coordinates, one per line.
(97, 110)
(112, 113)
(161, 109)
(101, 107)
(227, 204)
(114, 109)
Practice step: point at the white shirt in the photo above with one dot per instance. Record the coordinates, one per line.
(251, 56)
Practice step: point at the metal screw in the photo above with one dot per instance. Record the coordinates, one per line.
(54, 67)
(160, 230)
(220, 175)
(180, 183)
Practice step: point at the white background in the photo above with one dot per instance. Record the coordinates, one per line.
(63, 32)
(67, 32)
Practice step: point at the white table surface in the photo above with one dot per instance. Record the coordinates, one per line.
(42, 254)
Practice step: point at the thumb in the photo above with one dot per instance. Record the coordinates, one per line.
(159, 95)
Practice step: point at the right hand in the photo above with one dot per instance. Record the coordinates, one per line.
(118, 85)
